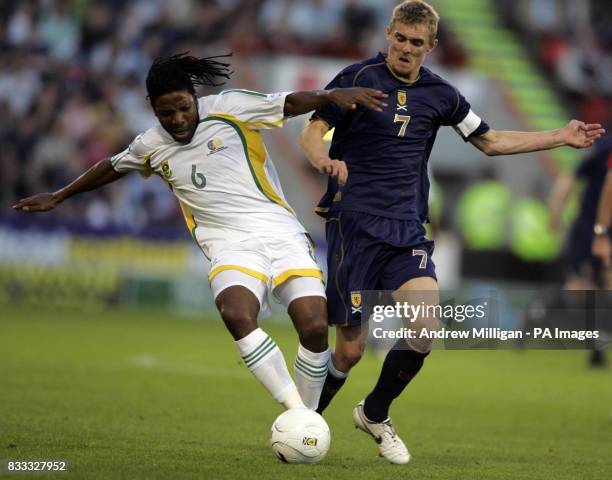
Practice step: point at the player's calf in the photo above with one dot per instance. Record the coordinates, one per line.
(401, 365)
(350, 344)
(309, 315)
(239, 308)
(405, 359)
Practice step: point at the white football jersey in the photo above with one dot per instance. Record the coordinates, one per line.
(224, 178)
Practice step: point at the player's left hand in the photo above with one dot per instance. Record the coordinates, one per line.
(578, 134)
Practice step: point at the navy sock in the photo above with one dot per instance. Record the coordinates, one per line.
(400, 366)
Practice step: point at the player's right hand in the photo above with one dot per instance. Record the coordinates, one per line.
(334, 168)
(350, 97)
(42, 202)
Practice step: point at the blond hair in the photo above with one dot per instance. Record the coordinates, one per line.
(411, 12)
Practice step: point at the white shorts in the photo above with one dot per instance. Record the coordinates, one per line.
(265, 264)
(295, 287)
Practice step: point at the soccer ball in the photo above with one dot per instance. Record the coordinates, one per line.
(300, 435)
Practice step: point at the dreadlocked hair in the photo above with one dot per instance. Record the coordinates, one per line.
(185, 72)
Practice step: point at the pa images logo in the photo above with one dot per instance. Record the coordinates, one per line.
(215, 145)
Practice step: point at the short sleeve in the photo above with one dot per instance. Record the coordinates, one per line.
(463, 119)
(256, 110)
(135, 157)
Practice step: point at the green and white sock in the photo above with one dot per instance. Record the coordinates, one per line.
(265, 360)
(310, 372)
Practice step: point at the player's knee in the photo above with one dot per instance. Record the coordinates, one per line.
(348, 356)
(421, 346)
(309, 315)
(238, 320)
(313, 332)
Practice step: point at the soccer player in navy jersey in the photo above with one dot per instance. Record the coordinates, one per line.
(602, 243)
(585, 269)
(376, 200)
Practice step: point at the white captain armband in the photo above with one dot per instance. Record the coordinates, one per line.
(468, 125)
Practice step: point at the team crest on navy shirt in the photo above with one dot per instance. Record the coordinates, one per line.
(356, 302)
(402, 98)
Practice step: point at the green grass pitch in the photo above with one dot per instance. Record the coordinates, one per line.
(145, 395)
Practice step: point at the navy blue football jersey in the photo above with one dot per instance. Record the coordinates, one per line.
(387, 152)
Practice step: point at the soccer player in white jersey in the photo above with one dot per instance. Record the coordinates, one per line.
(211, 154)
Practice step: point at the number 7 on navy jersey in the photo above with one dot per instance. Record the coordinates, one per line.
(405, 119)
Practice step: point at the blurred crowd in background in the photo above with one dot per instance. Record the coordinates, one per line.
(72, 78)
(72, 83)
(572, 41)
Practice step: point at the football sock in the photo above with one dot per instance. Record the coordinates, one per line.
(400, 366)
(265, 360)
(310, 373)
(333, 382)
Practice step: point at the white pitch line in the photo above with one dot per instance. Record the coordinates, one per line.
(150, 362)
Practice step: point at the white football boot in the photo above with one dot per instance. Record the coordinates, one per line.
(390, 445)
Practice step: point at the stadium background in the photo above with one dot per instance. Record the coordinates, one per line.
(72, 92)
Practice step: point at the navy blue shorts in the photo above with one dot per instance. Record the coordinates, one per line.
(368, 252)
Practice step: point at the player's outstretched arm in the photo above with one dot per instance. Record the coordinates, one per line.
(602, 247)
(315, 150)
(575, 134)
(297, 103)
(98, 175)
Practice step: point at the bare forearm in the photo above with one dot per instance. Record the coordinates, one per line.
(575, 134)
(562, 188)
(316, 151)
(604, 208)
(100, 174)
(312, 143)
(298, 103)
(508, 142)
